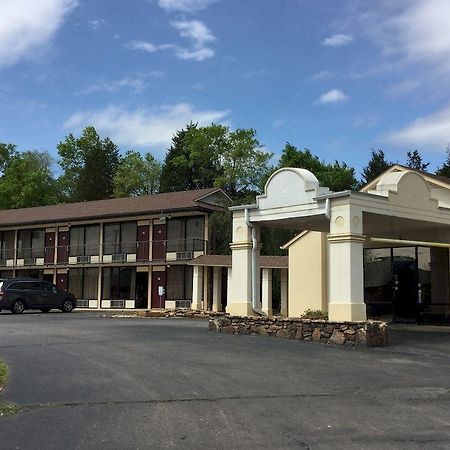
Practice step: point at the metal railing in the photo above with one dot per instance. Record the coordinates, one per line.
(106, 253)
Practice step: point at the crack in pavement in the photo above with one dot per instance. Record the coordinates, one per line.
(358, 390)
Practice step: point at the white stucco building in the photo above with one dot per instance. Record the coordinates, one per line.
(385, 246)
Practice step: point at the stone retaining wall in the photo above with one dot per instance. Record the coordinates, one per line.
(370, 333)
(188, 313)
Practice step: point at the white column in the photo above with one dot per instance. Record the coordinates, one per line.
(240, 294)
(197, 288)
(229, 275)
(345, 264)
(217, 289)
(267, 291)
(284, 292)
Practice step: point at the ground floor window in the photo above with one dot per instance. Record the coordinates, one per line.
(83, 283)
(179, 284)
(30, 273)
(119, 283)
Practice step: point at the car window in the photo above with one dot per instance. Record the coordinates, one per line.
(15, 286)
(35, 286)
(49, 287)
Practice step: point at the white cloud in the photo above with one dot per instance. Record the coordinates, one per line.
(194, 30)
(322, 75)
(95, 24)
(410, 33)
(337, 40)
(184, 5)
(199, 35)
(142, 127)
(432, 132)
(333, 96)
(26, 26)
(134, 83)
(142, 45)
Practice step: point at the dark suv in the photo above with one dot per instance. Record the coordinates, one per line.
(19, 294)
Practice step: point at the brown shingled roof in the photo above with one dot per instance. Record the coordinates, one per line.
(116, 207)
(266, 262)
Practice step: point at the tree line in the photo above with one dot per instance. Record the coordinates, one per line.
(89, 167)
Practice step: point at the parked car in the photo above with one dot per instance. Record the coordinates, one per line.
(19, 294)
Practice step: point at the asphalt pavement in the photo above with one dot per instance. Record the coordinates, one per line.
(89, 382)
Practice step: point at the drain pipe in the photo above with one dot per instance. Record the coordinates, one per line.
(254, 274)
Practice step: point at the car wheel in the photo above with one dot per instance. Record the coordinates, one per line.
(45, 310)
(18, 307)
(67, 306)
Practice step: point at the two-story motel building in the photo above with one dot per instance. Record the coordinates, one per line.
(115, 253)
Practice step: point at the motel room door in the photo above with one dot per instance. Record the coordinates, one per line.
(159, 242)
(158, 282)
(63, 247)
(49, 256)
(143, 232)
(62, 281)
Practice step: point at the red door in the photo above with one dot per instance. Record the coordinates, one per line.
(63, 247)
(49, 256)
(159, 242)
(143, 232)
(61, 281)
(158, 282)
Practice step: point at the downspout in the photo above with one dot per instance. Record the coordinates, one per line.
(327, 208)
(254, 267)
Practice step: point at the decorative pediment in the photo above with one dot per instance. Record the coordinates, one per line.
(406, 189)
(288, 187)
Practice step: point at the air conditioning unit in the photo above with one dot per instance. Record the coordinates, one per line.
(2, 262)
(83, 259)
(118, 304)
(82, 303)
(29, 262)
(119, 257)
(184, 255)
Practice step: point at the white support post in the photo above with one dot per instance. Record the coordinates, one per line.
(239, 300)
(217, 289)
(284, 292)
(267, 291)
(197, 288)
(345, 265)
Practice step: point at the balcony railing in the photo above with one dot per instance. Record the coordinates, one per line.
(107, 253)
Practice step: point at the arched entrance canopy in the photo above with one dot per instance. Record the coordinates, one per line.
(401, 207)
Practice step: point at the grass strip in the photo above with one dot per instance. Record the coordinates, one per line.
(6, 408)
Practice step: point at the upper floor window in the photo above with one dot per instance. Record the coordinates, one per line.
(6, 244)
(84, 240)
(119, 237)
(31, 243)
(185, 233)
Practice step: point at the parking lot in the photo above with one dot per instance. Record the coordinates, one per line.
(86, 381)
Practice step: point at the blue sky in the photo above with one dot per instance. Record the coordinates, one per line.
(339, 77)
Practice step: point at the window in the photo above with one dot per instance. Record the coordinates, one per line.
(179, 283)
(30, 243)
(7, 244)
(83, 283)
(119, 283)
(84, 240)
(120, 238)
(185, 234)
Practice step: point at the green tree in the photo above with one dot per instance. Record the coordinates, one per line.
(415, 161)
(337, 176)
(375, 167)
(7, 151)
(136, 175)
(444, 170)
(27, 181)
(209, 156)
(89, 164)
